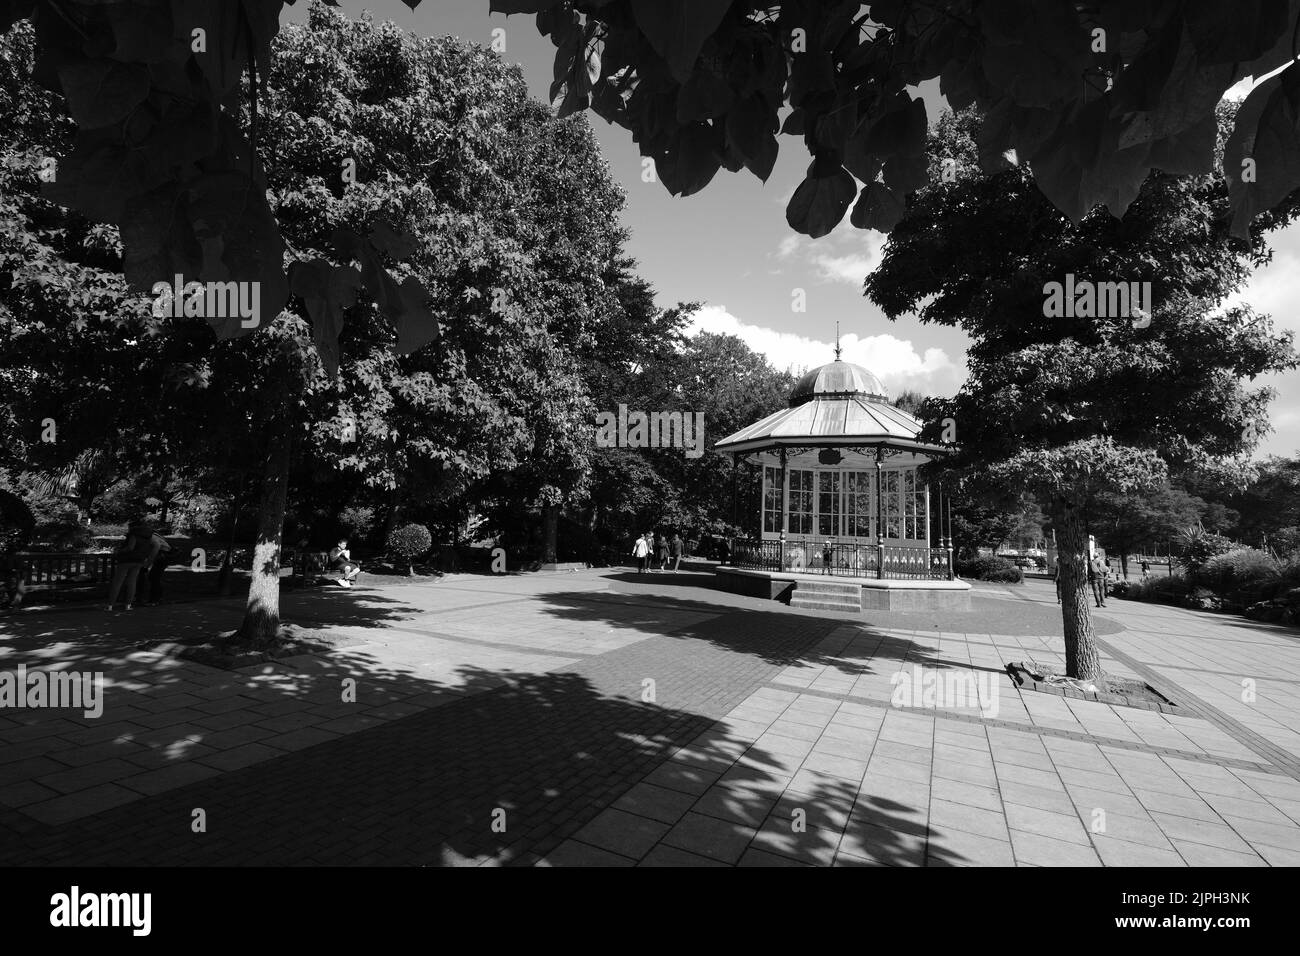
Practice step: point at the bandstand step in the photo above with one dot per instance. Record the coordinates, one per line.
(827, 596)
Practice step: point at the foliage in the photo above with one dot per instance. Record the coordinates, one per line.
(989, 568)
(1238, 569)
(1074, 407)
(357, 521)
(1124, 523)
(1091, 97)
(410, 540)
(1158, 589)
(1194, 546)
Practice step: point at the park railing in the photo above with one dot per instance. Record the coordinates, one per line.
(841, 559)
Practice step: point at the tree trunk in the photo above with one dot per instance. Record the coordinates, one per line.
(390, 522)
(551, 524)
(261, 623)
(1081, 660)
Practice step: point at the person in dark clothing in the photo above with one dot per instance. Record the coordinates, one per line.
(149, 590)
(675, 548)
(13, 584)
(661, 551)
(136, 548)
(828, 557)
(1098, 572)
(341, 561)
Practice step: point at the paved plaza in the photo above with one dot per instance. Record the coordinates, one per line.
(598, 718)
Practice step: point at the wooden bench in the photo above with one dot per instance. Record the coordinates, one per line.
(310, 567)
(59, 575)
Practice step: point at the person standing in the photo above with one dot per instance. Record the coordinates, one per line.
(131, 556)
(1146, 569)
(1097, 574)
(661, 551)
(828, 557)
(149, 590)
(641, 551)
(675, 547)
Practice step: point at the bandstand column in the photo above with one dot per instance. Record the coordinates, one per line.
(785, 506)
(880, 515)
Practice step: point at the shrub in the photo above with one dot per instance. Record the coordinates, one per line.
(1239, 569)
(356, 522)
(410, 541)
(1196, 546)
(998, 570)
(1159, 590)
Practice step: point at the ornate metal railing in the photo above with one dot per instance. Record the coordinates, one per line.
(841, 559)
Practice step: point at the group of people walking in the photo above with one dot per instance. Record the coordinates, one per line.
(653, 551)
(141, 560)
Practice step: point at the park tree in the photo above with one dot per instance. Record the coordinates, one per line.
(1086, 100)
(1268, 507)
(1075, 406)
(1124, 523)
(518, 237)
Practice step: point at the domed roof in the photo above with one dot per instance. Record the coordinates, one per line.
(838, 379)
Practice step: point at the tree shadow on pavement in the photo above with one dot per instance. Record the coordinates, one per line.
(504, 768)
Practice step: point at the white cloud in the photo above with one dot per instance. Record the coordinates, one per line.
(847, 255)
(895, 361)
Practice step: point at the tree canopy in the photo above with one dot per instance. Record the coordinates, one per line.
(1091, 402)
(1089, 97)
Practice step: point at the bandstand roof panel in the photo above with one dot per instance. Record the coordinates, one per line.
(838, 404)
(830, 421)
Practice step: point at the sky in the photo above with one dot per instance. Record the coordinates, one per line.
(730, 249)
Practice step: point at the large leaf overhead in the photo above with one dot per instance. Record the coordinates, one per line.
(1091, 97)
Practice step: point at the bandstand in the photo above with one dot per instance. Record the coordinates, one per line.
(842, 506)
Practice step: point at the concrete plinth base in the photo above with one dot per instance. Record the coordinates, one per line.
(877, 594)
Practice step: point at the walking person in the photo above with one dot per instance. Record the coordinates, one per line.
(641, 551)
(131, 556)
(1056, 575)
(828, 557)
(1146, 569)
(676, 547)
(149, 590)
(1098, 571)
(661, 551)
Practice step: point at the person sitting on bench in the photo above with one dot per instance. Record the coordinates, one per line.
(13, 584)
(341, 561)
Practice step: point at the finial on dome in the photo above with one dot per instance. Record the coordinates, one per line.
(837, 341)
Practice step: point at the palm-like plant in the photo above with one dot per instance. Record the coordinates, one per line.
(81, 480)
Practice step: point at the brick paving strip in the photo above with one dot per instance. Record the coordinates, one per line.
(1282, 759)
